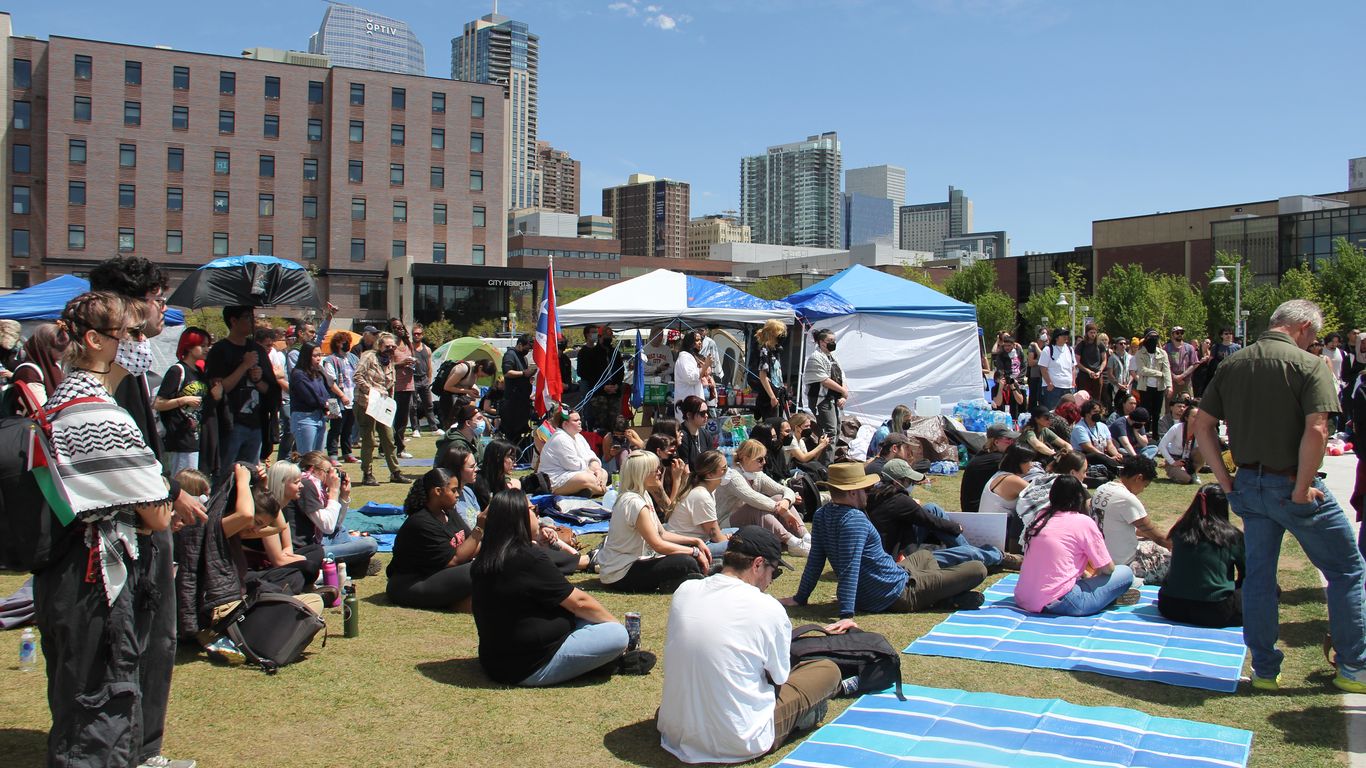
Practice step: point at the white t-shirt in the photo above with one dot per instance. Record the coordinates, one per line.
(564, 456)
(659, 359)
(698, 507)
(624, 545)
(687, 378)
(726, 641)
(1060, 362)
(1121, 510)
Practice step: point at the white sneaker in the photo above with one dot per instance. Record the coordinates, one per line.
(798, 547)
(417, 433)
(161, 761)
(405, 455)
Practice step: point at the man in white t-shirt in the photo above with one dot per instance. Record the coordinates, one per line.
(730, 691)
(1130, 535)
(659, 361)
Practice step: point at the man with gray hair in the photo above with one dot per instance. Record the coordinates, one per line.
(1277, 400)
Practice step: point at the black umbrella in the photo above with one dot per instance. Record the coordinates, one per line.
(256, 281)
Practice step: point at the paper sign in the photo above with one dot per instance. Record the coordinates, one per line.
(381, 408)
(982, 529)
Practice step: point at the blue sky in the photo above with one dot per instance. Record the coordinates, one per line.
(1048, 113)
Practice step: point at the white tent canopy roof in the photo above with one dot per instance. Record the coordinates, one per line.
(664, 295)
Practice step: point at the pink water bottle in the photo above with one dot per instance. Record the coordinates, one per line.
(330, 578)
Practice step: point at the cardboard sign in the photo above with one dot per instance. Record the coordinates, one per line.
(982, 529)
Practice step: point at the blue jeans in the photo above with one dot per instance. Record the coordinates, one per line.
(309, 429)
(588, 647)
(956, 549)
(1325, 534)
(1148, 452)
(341, 546)
(1051, 397)
(1091, 596)
(241, 444)
(178, 460)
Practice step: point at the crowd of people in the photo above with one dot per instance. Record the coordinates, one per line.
(230, 480)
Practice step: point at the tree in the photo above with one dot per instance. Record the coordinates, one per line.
(210, 320)
(919, 275)
(976, 280)
(1219, 299)
(439, 332)
(1298, 283)
(1178, 304)
(772, 288)
(1341, 286)
(1042, 307)
(1127, 301)
(995, 313)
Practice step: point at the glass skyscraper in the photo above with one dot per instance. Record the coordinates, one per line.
(354, 37)
(791, 194)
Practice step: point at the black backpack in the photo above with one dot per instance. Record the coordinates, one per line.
(271, 629)
(27, 525)
(865, 654)
(443, 373)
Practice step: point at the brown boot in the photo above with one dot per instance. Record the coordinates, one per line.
(399, 477)
(369, 479)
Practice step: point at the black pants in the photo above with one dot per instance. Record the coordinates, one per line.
(1151, 400)
(513, 420)
(1035, 389)
(566, 562)
(422, 407)
(438, 592)
(339, 433)
(158, 653)
(1094, 457)
(295, 578)
(1202, 613)
(404, 401)
(657, 574)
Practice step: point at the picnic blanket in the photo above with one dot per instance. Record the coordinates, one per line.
(1133, 642)
(937, 726)
(375, 518)
(386, 541)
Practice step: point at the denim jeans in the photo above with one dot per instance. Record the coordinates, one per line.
(352, 550)
(1325, 534)
(588, 647)
(1091, 596)
(241, 444)
(309, 429)
(956, 549)
(1051, 397)
(178, 460)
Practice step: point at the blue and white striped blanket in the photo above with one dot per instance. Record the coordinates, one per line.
(1133, 642)
(941, 727)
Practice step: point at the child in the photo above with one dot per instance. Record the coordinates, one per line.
(1202, 587)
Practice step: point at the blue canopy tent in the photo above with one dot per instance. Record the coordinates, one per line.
(897, 340)
(45, 301)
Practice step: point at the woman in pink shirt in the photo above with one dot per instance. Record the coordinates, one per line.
(1061, 545)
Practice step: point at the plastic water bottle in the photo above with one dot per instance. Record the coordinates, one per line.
(632, 630)
(28, 650)
(609, 499)
(342, 577)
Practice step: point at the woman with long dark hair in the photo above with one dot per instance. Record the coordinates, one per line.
(1207, 566)
(495, 471)
(434, 548)
(1060, 545)
(772, 436)
(1003, 488)
(461, 464)
(308, 400)
(692, 371)
(535, 628)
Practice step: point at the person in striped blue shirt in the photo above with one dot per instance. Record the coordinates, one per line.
(869, 579)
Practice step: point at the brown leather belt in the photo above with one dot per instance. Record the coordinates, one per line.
(1291, 472)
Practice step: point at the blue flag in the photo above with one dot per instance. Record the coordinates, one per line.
(638, 379)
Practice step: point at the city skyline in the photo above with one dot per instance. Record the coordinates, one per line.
(1163, 116)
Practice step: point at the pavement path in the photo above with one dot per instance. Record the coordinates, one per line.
(1341, 471)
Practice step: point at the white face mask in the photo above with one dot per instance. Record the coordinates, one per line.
(135, 355)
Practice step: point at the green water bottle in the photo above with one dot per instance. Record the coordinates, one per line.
(351, 612)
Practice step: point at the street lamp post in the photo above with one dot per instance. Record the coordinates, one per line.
(1221, 279)
(1072, 310)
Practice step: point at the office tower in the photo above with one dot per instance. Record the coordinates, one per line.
(790, 195)
(960, 213)
(868, 220)
(496, 49)
(706, 231)
(886, 181)
(651, 216)
(361, 39)
(925, 226)
(559, 179)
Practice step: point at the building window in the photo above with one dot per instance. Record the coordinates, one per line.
(75, 237)
(438, 138)
(477, 255)
(309, 248)
(80, 109)
(310, 207)
(132, 73)
(315, 129)
(478, 217)
(75, 193)
(398, 98)
(227, 121)
(227, 83)
(21, 200)
(372, 295)
(175, 199)
(272, 127)
(438, 177)
(358, 249)
(315, 92)
(358, 209)
(396, 174)
(265, 205)
(180, 78)
(439, 213)
(175, 159)
(400, 210)
(265, 245)
(399, 249)
(21, 159)
(132, 113)
(23, 115)
(439, 103)
(476, 106)
(128, 155)
(310, 169)
(220, 243)
(358, 94)
(438, 253)
(272, 87)
(23, 73)
(477, 143)
(19, 243)
(355, 171)
(267, 167)
(396, 136)
(83, 67)
(220, 201)
(222, 163)
(128, 196)
(357, 131)
(18, 279)
(476, 181)
(180, 118)
(127, 241)
(175, 241)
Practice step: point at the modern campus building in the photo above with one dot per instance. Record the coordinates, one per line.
(388, 186)
(559, 179)
(925, 226)
(868, 220)
(651, 216)
(535, 237)
(706, 231)
(360, 39)
(884, 181)
(790, 195)
(500, 50)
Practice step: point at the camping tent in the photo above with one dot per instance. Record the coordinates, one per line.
(45, 301)
(897, 340)
(662, 295)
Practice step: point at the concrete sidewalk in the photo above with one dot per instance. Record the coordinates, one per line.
(1341, 471)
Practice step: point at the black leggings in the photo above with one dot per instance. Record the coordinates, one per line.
(1203, 613)
(657, 574)
(1151, 400)
(439, 591)
(1094, 457)
(404, 401)
(566, 562)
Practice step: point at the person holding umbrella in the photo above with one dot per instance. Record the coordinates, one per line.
(376, 372)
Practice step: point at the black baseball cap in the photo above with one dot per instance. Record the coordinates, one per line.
(756, 541)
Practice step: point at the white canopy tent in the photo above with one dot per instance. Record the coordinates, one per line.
(662, 295)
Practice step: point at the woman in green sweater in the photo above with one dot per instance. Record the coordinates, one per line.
(1207, 567)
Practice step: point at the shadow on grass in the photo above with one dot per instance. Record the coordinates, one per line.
(1303, 596)
(1305, 727)
(1147, 690)
(1304, 634)
(638, 744)
(469, 673)
(23, 746)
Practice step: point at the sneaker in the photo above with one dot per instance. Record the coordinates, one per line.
(1348, 685)
(404, 455)
(161, 761)
(369, 479)
(417, 434)
(593, 555)
(1011, 561)
(798, 547)
(636, 663)
(1273, 683)
(812, 717)
(349, 459)
(399, 477)
(964, 601)
(1130, 597)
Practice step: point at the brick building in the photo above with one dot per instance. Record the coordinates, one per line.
(650, 215)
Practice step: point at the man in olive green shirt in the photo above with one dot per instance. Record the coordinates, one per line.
(1277, 400)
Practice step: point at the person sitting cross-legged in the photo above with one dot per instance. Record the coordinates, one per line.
(1130, 535)
(1208, 563)
(568, 460)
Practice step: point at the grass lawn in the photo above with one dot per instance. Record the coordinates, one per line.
(409, 691)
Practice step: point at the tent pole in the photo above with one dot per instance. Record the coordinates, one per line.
(801, 363)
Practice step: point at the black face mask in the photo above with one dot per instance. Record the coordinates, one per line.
(830, 347)
(787, 440)
(1150, 345)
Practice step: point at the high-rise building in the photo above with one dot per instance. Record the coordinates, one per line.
(960, 213)
(706, 231)
(790, 195)
(559, 179)
(886, 181)
(600, 227)
(651, 216)
(496, 49)
(868, 220)
(361, 39)
(925, 226)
